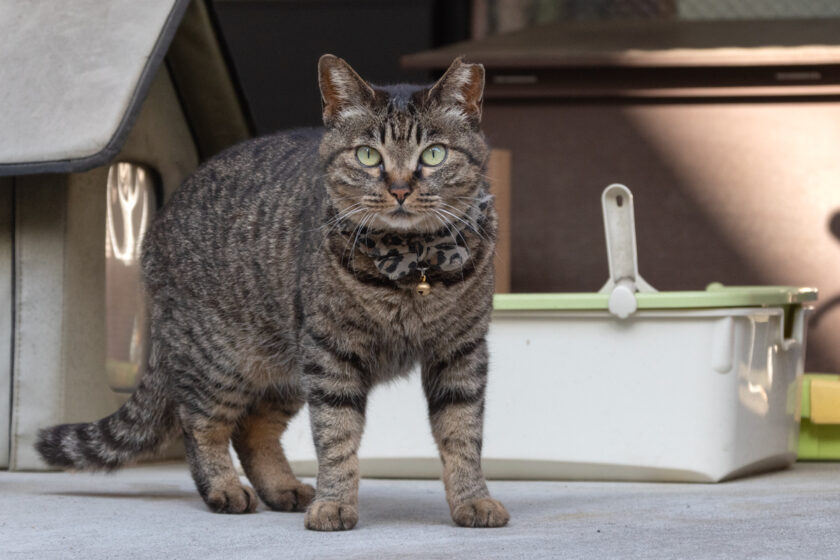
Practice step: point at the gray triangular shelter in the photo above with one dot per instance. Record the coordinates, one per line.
(82, 86)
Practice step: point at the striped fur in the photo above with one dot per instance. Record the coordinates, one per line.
(261, 302)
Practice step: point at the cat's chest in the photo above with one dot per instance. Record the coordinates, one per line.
(410, 319)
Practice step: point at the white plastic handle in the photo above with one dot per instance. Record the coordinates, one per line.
(620, 230)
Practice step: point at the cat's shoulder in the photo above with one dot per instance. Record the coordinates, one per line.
(302, 141)
(282, 154)
(262, 160)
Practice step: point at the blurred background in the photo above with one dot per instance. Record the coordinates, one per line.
(269, 41)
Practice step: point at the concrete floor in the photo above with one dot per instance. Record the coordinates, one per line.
(154, 512)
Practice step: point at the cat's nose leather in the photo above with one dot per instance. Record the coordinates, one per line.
(400, 191)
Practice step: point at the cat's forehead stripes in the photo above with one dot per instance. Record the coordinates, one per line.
(400, 122)
(399, 128)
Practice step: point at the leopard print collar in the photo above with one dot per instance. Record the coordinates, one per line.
(398, 255)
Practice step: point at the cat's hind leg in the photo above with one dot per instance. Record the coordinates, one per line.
(257, 442)
(206, 441)
(210, 404)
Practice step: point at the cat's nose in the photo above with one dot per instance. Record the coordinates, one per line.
(400, 191)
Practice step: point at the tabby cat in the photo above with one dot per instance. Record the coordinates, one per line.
(307, 267)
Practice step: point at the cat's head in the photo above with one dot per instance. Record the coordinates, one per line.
(404, 157)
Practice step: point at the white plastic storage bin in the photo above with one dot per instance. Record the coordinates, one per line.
(622, 384)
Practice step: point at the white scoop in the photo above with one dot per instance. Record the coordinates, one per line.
(620, 230)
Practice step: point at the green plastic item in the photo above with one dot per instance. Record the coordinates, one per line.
(817, 442)
(715, 295)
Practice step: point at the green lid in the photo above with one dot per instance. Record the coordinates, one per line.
(715, 295)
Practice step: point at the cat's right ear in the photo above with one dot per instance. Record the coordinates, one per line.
(343, 91)
(461, 87)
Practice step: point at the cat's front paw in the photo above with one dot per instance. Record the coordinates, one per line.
(232, 498)
(289, 499)
(331, 516)
(480, 512)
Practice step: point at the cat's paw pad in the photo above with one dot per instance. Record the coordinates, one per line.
(295, 498)
(331, 516)
(233, 498)
(481, 512)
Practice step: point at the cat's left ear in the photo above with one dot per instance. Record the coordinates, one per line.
(461, 86)
(343, 91)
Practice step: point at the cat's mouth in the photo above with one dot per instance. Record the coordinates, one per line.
(401, 212)
(402, 219)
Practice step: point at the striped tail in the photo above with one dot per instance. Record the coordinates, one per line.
(139, 427)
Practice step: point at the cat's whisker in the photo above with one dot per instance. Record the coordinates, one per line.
(480, 231)
(336, 223)
(347, 243)
(455, 242)
(363, 224)
(447, 224)
(340, 215)
(349, 211)
(463, 221)
(336, 226)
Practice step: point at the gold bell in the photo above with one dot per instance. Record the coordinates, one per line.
(423, 288)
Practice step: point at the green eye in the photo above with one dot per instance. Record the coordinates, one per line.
(433, 155)
(367, 156)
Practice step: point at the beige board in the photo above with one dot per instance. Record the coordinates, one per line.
(499, 172)
(7, 186)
